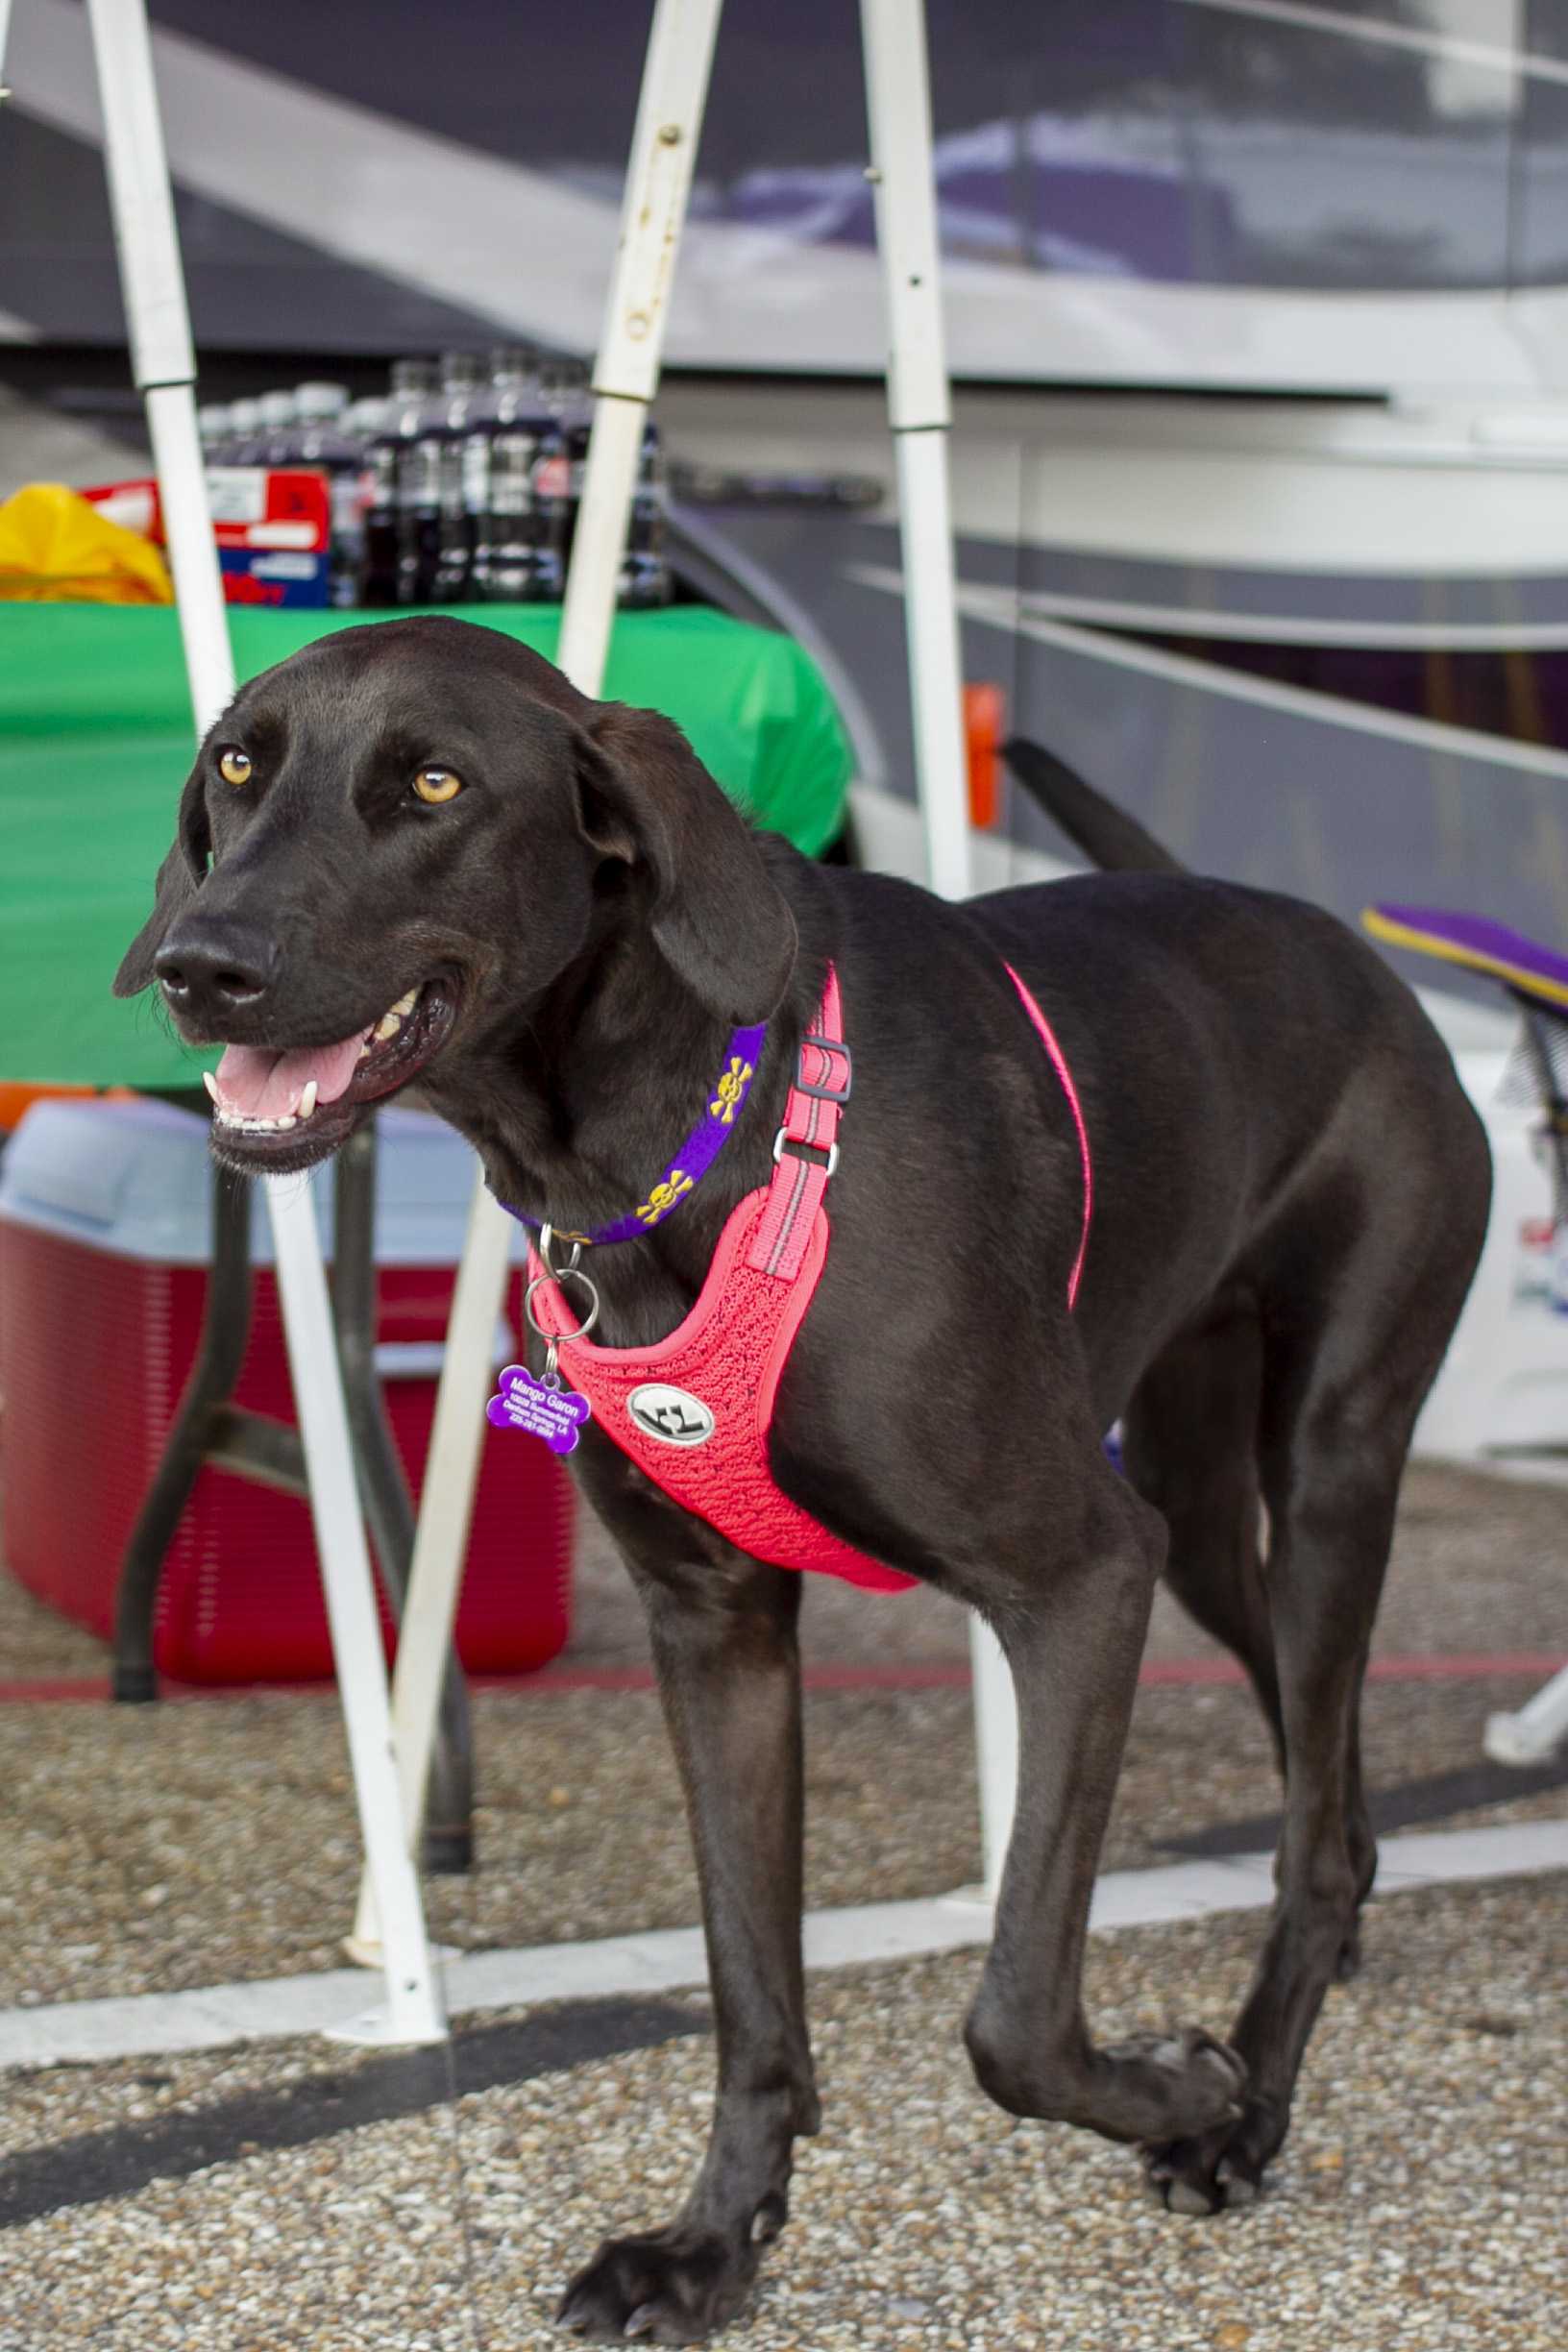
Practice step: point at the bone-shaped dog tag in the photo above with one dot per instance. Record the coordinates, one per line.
(540, 1408)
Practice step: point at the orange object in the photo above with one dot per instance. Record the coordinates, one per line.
(985, 718)
(16, 1101)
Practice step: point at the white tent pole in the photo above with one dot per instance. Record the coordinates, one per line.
(899, 101)
(165, 371)
(658, 182)
(1535, 1733)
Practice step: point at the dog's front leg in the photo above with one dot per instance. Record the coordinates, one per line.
(723, 1632)
(1073, 1640)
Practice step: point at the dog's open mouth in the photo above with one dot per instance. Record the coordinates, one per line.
(280, 1110)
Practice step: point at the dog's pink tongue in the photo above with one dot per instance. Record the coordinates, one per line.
(262, 1084)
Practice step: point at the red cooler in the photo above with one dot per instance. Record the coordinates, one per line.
(104, 1225)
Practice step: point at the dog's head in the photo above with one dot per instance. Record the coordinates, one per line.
(390, 847)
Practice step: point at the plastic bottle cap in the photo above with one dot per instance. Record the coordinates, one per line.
(320, 400)
(245, 415)
(512, 361)
(414, 375)
(277, 407)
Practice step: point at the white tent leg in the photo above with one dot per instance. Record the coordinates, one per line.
(669, 120)
(165, 369)
(451, 1470)
(900, 102)
(658, 182)
(1535, 1732)
(413, 2011)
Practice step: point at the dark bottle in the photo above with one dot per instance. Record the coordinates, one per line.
(645, 574)
(214, 423)
(279, 428)
(246, 445)
(380, 578)
(570, 401)
(463, 388)
(321, 440)
(360, 424)
(419, 492)
(518, 549)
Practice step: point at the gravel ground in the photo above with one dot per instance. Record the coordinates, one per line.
(1417, 2204)
(154, 1849)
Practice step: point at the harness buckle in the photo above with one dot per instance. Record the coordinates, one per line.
(800, 1149)
(827, 1046)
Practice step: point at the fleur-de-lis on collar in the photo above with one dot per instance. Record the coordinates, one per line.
(664, 1196)
(731, 1092)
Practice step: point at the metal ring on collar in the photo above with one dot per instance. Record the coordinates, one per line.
(570, 1272)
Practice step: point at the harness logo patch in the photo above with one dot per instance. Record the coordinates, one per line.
(670, 1415)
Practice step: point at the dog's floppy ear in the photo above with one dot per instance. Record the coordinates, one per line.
(718, 919)
(179, 878)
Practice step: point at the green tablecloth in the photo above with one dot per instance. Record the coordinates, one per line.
(95, 740)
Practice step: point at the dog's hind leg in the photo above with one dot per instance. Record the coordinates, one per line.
(724, 1637)
(1073, 1639)
(1348, 1359)
(1190, 1443)
(1333, 1515)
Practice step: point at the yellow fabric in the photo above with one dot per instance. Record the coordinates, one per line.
(56, 547)
(1473, 959)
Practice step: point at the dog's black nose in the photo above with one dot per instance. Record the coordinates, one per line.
(215, 968)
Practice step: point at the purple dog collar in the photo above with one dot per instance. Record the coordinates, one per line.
(696, 1156)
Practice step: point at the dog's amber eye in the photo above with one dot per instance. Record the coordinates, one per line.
(437, 784)
(235, 766)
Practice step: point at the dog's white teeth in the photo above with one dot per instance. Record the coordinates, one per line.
(252, 1126)
(365, 1048)
(388, 1026)
(307, 1100)
(407, 1004)
(211, 1086)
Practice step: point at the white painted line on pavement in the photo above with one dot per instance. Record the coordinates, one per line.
(159, 2024)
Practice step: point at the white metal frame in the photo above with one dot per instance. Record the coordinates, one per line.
(658, 179)
(164, 358)
(391, 1748)
(391, 1751)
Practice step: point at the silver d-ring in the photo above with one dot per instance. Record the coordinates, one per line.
(568, 1273)
(547, 1236)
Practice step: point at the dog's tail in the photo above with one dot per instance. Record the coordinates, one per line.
(1108, 839)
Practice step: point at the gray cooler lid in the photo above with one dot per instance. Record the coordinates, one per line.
(133, 1178)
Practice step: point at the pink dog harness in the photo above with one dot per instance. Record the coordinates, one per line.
(693, 1410)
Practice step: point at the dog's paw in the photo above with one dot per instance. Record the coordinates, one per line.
(1185, 2079)
(672, 2287)
(1217, 2172)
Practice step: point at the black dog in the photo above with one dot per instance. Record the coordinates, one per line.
(414, 849)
